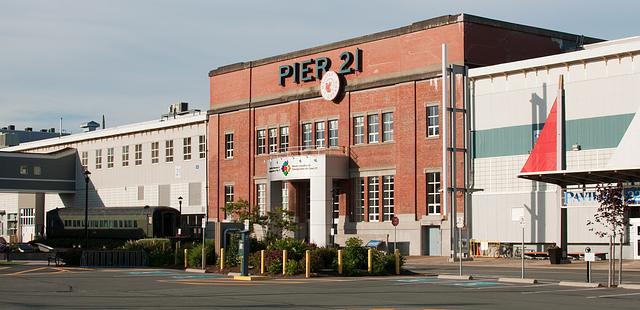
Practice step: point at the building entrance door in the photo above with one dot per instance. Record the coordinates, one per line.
(635, 236)
(432, 241)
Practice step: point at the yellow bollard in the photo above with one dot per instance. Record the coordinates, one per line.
(339, 261)
(186, 255)
(284, 262)
(262, 261)
(397, 253)
(308, 264)
(370, 261)
(221, 258)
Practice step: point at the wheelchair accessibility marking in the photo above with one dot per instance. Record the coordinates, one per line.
(419, 280)
(477, 284)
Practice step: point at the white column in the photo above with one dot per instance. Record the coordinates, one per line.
(320, 222)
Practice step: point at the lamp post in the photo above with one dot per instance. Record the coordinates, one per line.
(86, 208)
(180, 216)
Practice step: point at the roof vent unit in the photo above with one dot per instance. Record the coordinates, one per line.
(90, 126)
(29, 129)
(12, 127)
(179, 108)
(52, 130)
(43, 130)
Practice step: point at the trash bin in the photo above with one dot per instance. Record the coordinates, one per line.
(555, 255)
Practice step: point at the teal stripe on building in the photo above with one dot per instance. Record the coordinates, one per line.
(589, 133)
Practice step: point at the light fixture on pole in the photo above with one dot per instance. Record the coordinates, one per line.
(86, 208)
(180, 216)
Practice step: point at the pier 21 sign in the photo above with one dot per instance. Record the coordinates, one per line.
(313, 69)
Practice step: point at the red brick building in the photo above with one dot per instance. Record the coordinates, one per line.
(347, 166)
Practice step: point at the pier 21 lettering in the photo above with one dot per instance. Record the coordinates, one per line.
(312, 69)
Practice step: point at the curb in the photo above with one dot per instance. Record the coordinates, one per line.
(194, 270)
(518, 280)
(454, 277)
(249, 278)
(630, 286)
(579, 284)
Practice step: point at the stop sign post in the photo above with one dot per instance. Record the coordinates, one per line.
(395, 221)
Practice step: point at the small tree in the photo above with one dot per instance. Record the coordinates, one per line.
(273, 223)
(240, 210)
(279, 222)
(610, 214)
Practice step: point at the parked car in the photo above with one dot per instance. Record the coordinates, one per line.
(4, 247)
(25, 248)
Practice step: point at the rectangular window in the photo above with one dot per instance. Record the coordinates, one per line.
(168, 151)
(110, 157)
(285, 196)
(273, 140)
(84, 160)
(433, 128)
(261, 141)
(186, 148)
(373, 126)
(155, 152)
(284, 139)
(388, 200)
(98, 159)
(374, 198)
(24, 169)
(360, 204)
(37, 170)
(433, 193)
(202, 146)
(125, 156)
(387, 126)
(307, 135)
(333, 133)
(228, 145)
(138, 154)
(358, 130)
(261, 198)
(228, 197)
(320, 135)
(27, 217)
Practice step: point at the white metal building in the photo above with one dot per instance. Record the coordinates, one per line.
(149, 163)
(511, 103)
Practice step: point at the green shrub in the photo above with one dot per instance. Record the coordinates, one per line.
(324, 258)
(354, 257)
(71, 257)
(194, 259)
(293, 267)
(159, 250)
(295, 248)
(231, 251)
(275, 266)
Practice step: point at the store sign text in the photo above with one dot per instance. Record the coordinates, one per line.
(312, 69)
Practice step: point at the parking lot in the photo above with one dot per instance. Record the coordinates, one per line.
(26, 286)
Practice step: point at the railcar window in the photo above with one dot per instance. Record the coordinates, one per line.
(121, 224)
(115, 224)
(135, 223)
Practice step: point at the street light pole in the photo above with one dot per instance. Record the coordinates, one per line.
(86, 208)
(180, 216)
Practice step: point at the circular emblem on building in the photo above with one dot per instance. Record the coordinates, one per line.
(330, 85)
(285, 168)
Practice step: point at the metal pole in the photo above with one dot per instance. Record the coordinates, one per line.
(443, 135)
(395, 238)
(589, 272)
(204, 259)
(86, 209)
(460, 248)
(522, 254)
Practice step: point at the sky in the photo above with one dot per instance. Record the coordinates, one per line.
(130, 59)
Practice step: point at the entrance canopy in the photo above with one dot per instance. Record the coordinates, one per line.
(565, 178)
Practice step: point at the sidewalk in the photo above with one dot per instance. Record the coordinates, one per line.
(414, 261)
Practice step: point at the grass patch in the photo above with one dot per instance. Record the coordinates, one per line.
(11, 263)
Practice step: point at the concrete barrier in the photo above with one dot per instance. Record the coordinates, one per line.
(454, 277)
(579, 284)
(518, 280)
(630, 286)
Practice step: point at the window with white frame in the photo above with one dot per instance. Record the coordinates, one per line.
(24, 170)
(320, 139)
(433, 128)
(261, 197)
(285, 196)
(261, 141)
(110, 157)
(155, 152)
(433, 193)
(138, 154)
(228, 145)
(388, 199)
(358, 130)
(387, 126)
(374, 198)
(125, 156)
(98, 159)
(273, 140)
(307, 135)
(168, 151)
(27, 216)
(186, 148)
(284, 138)
(202, 146)
(333, 133)
(228, 198)
(84, 160)
(373, 126)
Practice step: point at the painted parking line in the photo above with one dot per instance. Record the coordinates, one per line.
(419, 280)
(514, 286)
(199, 276)
(558, 291)
(26, 271)
(476, 284)
(614, 295)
